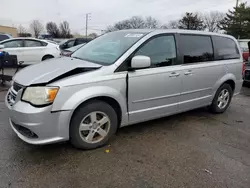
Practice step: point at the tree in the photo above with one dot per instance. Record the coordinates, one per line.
(174, 24)
(212, 20)
(52, 29)
(151, 23)
(37, 27)
(191, 21)
(65, 30)
(21, 29)
(93, 35)
(237, 22)
(136, 22)
(22, 32)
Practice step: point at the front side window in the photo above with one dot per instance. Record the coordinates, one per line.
(196, 48)
(13, 44)
(32, 43)
(161, 50)
(226, 48)
(106, 49)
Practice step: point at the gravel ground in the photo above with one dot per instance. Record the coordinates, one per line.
(195, 149)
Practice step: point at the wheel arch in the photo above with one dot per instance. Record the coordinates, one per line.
(47, 55)
(229, 79)
(73, 100)
(109, 100)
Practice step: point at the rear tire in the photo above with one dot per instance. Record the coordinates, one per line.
(92, 125)
(222, 99)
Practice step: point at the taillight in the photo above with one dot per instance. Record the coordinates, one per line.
(243, 68)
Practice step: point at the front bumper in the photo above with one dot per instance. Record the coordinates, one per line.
(48, 127)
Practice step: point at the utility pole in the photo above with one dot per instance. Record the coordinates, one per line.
(237, 3)
(87, 19)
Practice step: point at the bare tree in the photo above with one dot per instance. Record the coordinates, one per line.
(212, 20)
(37, 27)
(65, 30)
(174, 24)
(92, 35)
(151, 23)
(21, 29)
(136, 22)
(52, 29)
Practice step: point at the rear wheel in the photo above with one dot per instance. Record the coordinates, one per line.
(222, 99)
(92, 125)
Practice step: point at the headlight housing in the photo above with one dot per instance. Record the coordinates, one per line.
(40, 96)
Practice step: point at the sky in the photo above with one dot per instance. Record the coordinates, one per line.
(103, 12)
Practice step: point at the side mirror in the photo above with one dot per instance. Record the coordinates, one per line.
(1, 46)
(140, 61)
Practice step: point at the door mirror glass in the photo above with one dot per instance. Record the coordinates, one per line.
(1, 46)
(140, 61)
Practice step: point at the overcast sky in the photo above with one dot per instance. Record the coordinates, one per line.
(103, 12)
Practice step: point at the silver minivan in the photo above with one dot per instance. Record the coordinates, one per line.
(122, 78)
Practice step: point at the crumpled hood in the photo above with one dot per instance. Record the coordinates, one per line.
(49, 70)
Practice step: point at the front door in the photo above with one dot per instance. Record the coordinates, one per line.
(14, 47)
(154, 92)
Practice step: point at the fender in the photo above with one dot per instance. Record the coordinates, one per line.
(73, 99)
(219, 82)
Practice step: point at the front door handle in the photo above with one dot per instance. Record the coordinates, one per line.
(174, 74)
(188, 73)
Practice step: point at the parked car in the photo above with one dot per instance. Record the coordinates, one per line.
(69, 51)
(4, 37)
(244, 48)
(73, 42)
(142, 75)
(30, 50)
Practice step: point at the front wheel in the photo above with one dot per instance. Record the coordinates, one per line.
(92, 125)
(222, 99)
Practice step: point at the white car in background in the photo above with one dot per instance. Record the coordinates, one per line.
(30, 50)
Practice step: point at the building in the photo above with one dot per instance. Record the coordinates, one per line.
(8, 30)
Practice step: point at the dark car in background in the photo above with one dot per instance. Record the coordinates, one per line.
(73, 42)
(244, 47)
(4, 37)
(69, 51)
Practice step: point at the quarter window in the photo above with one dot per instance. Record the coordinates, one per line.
(226, 48)
(161, 50)
(196, 48)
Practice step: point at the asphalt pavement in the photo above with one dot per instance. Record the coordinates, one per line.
(195, 149)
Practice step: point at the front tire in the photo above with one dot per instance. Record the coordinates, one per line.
(222, 99)
(92, 125)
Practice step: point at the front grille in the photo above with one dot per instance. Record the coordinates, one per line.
(17, 86)
(247, 74)
(24, 131)
(11, 98)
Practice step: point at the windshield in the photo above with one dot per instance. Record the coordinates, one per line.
(106, 49)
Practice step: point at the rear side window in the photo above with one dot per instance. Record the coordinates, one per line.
(226, 48)
(32, 43)
(196, 48)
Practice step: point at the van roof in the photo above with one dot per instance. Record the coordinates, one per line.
(158, 31)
